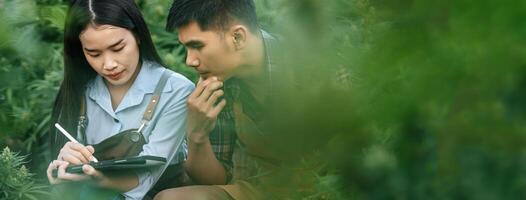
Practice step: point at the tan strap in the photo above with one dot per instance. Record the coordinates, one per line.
(156, 96)
(150, 109)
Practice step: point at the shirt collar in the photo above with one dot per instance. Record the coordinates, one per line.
(144, 83)
(233, 86)
(268, 39)
(148, 77)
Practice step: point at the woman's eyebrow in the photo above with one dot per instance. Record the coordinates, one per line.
(116, 43)
(109, 47)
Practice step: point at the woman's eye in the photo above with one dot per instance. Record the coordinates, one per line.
(94, 55)
(119, 49)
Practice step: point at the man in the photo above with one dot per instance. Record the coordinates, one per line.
(225, 143)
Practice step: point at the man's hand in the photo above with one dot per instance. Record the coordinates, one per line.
(203, 109)
(75, 153)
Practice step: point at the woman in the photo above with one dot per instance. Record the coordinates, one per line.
(111, 72)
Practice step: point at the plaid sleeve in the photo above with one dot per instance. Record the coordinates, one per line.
(223, 139)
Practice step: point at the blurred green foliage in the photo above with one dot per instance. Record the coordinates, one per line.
(430, 104)
(378, 99)
(30, 57)
(15, 180)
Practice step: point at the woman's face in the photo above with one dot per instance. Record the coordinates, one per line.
(113, 52)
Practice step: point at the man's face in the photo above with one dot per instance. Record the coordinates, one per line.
(112, 52)
(208, 52)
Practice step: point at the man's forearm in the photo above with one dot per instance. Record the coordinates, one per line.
(203, 108)
(203, 166)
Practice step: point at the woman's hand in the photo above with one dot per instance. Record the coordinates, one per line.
(76, 153)
(89, 173)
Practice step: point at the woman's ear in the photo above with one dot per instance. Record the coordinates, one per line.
(239, 36)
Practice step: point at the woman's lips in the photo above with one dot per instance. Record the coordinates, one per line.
(115, 76)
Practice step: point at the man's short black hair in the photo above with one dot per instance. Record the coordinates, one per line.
(212, 14)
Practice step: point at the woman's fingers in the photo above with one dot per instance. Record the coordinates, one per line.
(62, 174)
(53, 165)
(76, 153)
(90, 149)
(61, 166)
(72, 159)
(85, 154)
(90, 171)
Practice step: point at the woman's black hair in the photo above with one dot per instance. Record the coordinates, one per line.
(77, 72)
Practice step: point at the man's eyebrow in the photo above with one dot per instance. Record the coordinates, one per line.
(192, 43)
(111, 46)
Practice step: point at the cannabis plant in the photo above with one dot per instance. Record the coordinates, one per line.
(15, 180)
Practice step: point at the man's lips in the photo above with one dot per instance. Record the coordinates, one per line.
(203, 73)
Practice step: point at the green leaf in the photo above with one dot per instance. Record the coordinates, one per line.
(55, 15)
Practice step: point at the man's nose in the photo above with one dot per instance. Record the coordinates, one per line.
(191, 60)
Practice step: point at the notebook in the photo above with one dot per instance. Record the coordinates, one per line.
(118, 164)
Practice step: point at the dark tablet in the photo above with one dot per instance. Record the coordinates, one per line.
(118, 164)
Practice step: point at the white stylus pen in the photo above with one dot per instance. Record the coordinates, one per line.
(71, 138)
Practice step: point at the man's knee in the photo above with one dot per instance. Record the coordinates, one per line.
(194, 193)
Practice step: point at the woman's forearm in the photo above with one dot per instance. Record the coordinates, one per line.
(121, 182)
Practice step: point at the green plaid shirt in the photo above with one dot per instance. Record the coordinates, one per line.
(223, 138)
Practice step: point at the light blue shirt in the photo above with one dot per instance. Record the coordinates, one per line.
(165, 132)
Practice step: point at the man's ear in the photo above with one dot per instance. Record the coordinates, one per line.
(238, 34)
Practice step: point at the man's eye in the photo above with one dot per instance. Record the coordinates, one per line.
(196, 46)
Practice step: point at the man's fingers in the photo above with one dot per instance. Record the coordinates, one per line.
(217, 109)
(200, 86)
(212, 87)
(211, 102)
